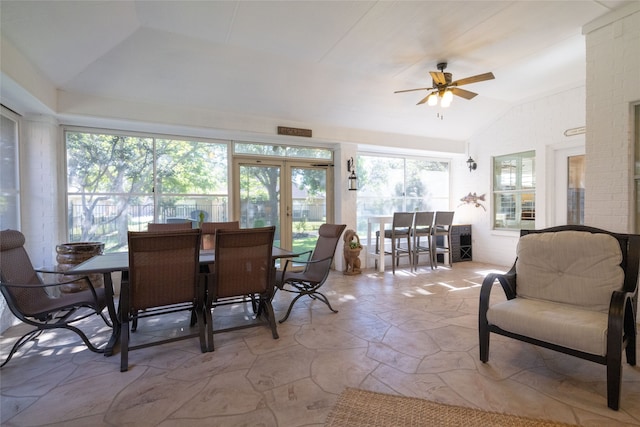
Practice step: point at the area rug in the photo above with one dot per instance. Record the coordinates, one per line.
(360, 408)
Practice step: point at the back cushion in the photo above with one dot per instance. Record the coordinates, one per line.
(571, 267)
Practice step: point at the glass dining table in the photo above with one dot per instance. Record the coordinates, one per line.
(109, 263)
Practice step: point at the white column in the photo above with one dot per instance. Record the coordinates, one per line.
(42, 204)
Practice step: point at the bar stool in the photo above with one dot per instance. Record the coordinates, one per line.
(442, 227)
(422, 226)
(400, 229)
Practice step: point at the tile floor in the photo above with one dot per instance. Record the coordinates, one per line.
(413, 334)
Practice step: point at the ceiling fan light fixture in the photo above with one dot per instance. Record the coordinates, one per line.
(432, 100)
(447, 97)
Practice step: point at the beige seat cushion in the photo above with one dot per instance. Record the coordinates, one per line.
(561, 324)
(571, 267)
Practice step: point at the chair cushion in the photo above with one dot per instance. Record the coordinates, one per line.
(561, 324)
(571, 267)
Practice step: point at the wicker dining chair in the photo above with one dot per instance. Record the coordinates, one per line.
(316, 269)
(29, 301)
(401, 230)
(243, 268)
(163, 278)
(209, 231)
(171, 226)
(422, 228)
(442, 226)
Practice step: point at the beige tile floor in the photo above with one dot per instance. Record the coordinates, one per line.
(413, 334)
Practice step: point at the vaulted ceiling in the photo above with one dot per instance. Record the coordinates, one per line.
(329, 63)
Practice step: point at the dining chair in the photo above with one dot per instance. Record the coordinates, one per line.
(401, 226)
(442, 225)
(27, 298)
(316, 268)
(422, 227)
(209, 231)
(163, 278)
(243, 267)
(160, 227)
(172, 226)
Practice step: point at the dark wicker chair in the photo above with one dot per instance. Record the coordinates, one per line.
(401, 229)
(209, 232)
(28, 300)
(163, 278)
(584, 280)
(172, 226)
(316, 269)
(442, 225)
(243, 268)
(422, 228)
(161, 227)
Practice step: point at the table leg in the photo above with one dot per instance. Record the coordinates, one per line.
(113, 314)
(381, 249)
(368, 254)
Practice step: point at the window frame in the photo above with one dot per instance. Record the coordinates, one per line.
(404, 202)
(155, 196)
(521, 218)
(15, 190)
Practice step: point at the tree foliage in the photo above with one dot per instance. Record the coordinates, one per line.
(117, 171)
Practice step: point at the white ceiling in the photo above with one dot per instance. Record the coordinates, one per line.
(324, 63)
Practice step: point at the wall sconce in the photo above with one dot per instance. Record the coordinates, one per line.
(472, 164)
(353, 179)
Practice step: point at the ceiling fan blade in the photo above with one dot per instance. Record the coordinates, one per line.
(423, 100)
(412, 90)
(473, 79)
(463, 93)
(438, 77)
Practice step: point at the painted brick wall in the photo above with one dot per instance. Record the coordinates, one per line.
(613, 85)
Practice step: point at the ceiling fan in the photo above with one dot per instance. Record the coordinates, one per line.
(444, 88)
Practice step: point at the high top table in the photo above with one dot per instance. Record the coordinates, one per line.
(119, 261)
(381, 221)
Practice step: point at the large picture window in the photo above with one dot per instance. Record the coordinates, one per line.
(400, 184)
(514, 191)
(9, 172)
(120, 182)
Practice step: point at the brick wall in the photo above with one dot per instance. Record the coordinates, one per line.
(612, 87)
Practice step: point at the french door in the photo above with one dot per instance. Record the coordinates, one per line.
(294, 195)
(568, 183)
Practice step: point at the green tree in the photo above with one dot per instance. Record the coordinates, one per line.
(118, 171)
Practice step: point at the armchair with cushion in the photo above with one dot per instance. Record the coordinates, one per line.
(572, 289)
(29, 301)
(316, 269)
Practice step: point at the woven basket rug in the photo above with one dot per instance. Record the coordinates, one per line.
(360, 408)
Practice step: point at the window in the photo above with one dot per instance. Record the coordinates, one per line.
(399, 184)
(286, 151)
(514, 191)
(120, 182)
(9, 171)
(636, 145)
